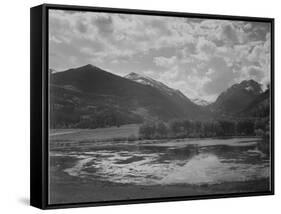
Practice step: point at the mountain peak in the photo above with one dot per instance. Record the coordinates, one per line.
(88, 88)
(141, 79)
(89, 69)
(89, 66)
(200, 102)
(52, 71)
(250, 86)
(249, 82)
(238, 96)
(164, 89)
(132, 74)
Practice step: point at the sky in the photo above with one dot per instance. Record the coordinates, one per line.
(199, 57)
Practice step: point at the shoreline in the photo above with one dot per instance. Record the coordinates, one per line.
(70, 190)
(65, 188)
(131, 136)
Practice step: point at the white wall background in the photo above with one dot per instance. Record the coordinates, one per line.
(14, 106)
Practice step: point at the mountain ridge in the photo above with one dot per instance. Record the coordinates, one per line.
(89, 96)
(237, 97)
(90, 92)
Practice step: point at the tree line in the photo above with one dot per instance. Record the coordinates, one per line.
(102, 118)
(213, 128)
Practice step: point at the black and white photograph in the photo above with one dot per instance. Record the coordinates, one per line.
(149, 106)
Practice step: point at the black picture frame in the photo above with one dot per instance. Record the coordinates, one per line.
(39, 104)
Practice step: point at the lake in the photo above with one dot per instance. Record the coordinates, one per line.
(194, 162)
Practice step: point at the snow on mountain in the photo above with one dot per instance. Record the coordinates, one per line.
(52, 71)
(175, 96)
(200, 102)
(149, 81)
(236, 98)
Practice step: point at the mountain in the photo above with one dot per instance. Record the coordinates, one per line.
(145, 80)
(200, 102)
(259, 107)
(173, 94)
(92, 97)
(236, 98)
(52, 71)
(189, 108)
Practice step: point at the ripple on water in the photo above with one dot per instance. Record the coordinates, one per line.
(144, 168)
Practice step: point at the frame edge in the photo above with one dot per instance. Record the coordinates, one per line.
(36, 143)
(38, 151)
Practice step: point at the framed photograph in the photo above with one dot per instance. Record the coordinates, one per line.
(134, 106)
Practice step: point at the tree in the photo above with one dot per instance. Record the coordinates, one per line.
(245, 127)
(228, 127)
(161, 130)
(187, 126)
(260, 124)
(147, 130)
(175, 127)
(198, 126)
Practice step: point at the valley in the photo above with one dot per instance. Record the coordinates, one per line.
(89, 97)
(132, 137)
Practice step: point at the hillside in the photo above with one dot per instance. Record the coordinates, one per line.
(236, 98)
(91, 97)
(259, 107)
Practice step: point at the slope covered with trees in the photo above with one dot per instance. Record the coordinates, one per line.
(89, 97)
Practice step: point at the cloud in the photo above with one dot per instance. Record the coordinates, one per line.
(165, 62)
(120, 35)
(200, 57)
(229, 34)
(207, 67)
(82, 27)
(104, 25)
(256, 73)
(220, 74)
(205, 48)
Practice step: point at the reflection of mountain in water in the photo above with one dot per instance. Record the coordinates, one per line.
(190, 162)
(207, 168)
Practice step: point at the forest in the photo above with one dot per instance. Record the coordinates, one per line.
(200, 129)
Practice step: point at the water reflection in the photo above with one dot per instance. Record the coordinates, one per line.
(170, 162)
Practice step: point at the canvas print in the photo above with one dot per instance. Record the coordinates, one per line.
(146, 106)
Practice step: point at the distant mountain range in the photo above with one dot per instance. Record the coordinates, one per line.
(156, 84)
(259, 107)
(90, 97)
(237, 98)
(200, 102)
